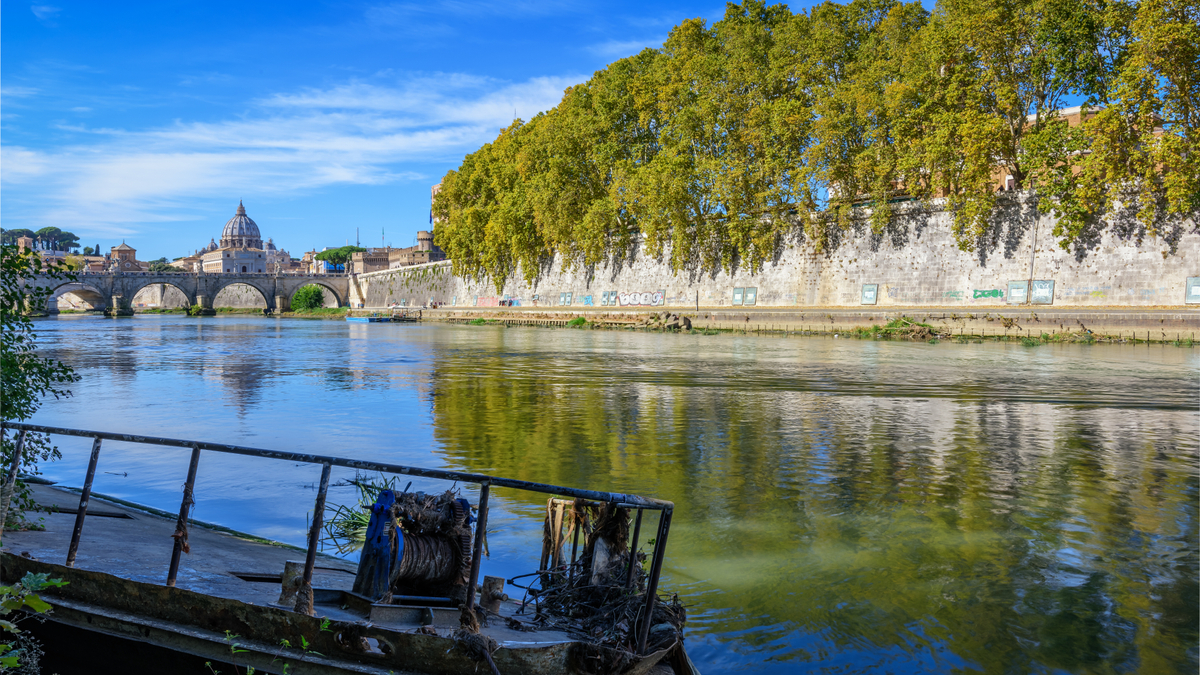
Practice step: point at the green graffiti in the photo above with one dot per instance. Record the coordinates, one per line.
(989, 293)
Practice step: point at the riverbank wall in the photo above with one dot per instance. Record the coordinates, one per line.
(915, 263)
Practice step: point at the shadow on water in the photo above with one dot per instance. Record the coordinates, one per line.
(842, 506)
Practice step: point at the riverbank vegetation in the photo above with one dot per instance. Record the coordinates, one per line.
(308, 297)
(26, 377)
(734, 138)
(319, 311)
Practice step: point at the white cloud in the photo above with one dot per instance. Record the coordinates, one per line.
(44, 12)
(365, 133)
(623, 48)
(17, 92)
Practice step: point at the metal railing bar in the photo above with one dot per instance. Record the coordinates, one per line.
(629, 500)
(304, 598)
(185, 507)
(637, 530)
(477, 548)
(84, 497)
(660, 547)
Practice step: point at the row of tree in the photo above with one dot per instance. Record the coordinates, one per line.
(52, 237)
(767, 123)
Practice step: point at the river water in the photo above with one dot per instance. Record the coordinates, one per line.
(842, 506)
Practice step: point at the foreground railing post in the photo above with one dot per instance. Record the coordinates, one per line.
(637, 530)
(477, 550)
(84, 497)
(660, 548)
(10, 480)
(181, 530)
(304, 599)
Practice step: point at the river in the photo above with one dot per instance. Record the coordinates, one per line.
(842, 505)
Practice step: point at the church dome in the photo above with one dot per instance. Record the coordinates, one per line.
(241, 231)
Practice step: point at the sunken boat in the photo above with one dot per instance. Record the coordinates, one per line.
(414, 602)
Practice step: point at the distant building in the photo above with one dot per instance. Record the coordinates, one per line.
(90, 263)
(241, 248)
(124, 258)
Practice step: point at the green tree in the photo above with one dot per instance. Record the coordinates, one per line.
(162, 265)
(735, 136)
(11, 236)
(59, 240)
(339, 256)
(1141, 151)
(26, 377)
(308, 297)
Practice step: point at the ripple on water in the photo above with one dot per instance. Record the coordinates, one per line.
(841, 505)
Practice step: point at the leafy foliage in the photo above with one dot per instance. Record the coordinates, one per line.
(339, 256)
(26, 377)
(308, 297)
(24, 651)
(766, 125)
(163, 265)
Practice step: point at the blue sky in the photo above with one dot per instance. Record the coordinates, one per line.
(149, 121)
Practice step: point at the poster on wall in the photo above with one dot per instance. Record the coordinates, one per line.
(870, 294)
(1018, 292)
(737, 295)
(1193, 290)
(750, 296)
(1042, 292)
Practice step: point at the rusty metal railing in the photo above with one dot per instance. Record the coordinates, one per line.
(327, 463)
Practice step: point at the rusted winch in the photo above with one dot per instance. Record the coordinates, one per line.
(416, 544)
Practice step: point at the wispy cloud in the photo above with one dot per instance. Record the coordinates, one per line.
(359, 132)
(623, 48)
(17, 92)
(397, 12)
(45, 13)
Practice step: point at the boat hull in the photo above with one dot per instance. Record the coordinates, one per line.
(199, 624)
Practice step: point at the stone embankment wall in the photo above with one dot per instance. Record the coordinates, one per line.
(916, 263)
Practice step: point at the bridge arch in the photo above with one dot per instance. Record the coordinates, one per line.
(229, 286)
(341, 302)
(86, 293)
(139, 286)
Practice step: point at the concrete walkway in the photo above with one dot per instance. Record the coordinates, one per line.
(1157, 324)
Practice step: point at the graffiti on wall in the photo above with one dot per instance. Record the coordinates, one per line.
(988, 293)
(640, 299)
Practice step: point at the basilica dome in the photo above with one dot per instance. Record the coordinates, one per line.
(240, 231)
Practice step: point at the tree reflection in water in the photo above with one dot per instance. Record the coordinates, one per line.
(919, 526)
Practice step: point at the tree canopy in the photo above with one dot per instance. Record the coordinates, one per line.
(308, 297)
(27, 377)
(54, 237)
(339, 256)
(769, 123)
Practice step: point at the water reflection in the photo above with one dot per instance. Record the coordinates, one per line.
(842, 506)
(825, 525)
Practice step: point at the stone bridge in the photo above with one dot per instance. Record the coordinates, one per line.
(115, 291)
